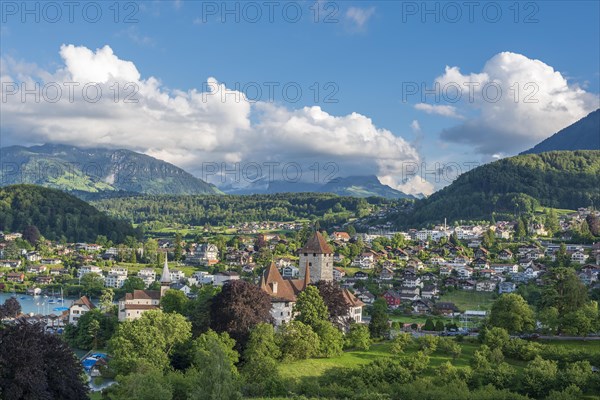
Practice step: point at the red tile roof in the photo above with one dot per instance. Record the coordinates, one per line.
(316, 244)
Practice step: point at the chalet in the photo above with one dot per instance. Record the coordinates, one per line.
(468, 285)
(465, 273)
(532, 272)
(415, 263)
(355, 306)
(429, 277)
(15, 277)
(51, 261)
(523, 250)
(506, 287)
(505, 255)
(525, 262)
(392, 298)
(10, 263)
(366, 297)
(446, 308)
(33, 256)
(401, 254)
(79, 308)
(579, 257)
(412, 280)
(481, 263)
(386, 274)
(535, 254)
(430, 292)
(361, 275)
(436, 260)
(486, 273)
(422, 306)
(482, 253)
(446, 271)
(182, 287)
(505, 268)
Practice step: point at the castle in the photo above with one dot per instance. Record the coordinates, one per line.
(318, 256)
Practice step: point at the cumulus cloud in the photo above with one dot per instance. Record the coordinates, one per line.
(189, 128)
(518, 102)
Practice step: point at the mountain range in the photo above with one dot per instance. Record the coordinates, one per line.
(96, 170)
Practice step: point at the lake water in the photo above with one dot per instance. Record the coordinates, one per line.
(39, 304)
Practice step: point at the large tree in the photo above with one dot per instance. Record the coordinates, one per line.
(564, 290)
(149, 340)
(174, 301)
(333, 296)
(379, 326)
(38, 365)
(511, 312)
(238, 308)
(310, 307)
(11, 308)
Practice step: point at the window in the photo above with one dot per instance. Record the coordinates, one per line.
(305, 254)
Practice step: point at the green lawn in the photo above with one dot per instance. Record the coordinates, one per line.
(466, 300)
(590, 346)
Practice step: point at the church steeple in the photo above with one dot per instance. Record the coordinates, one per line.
(165, 278)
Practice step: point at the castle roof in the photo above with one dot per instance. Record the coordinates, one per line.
(281, 289)
(165, 278)
(316, 244)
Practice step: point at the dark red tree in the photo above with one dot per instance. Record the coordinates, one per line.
(238, 308)
(333, 296)
(11, 308)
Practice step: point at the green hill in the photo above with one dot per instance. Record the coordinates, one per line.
(561, 179)
(57, 215)
(81, 171)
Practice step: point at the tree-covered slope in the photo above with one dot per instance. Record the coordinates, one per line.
(97, 170)
(562, 179)
(582, 135)
(57, 215)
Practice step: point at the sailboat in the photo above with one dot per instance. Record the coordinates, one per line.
(52, 300)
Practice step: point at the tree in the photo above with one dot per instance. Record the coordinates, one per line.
(400, 342)
(133, 283)
(259, 370)
(333, 296)
(563, 290)
(174, 301)
(297, 341)
(93, 330)
(149, 340)
(496, 338)
(520, 230)
(427, 343)
(331, 339)
(551, 222)
(439, 325)
(178, 249)
(198, 309)
(578, 373)
(106, 300)
(310, 307)
(150, 250)
(358, 337)
(238, 308)
(511, 312)
(31, 234)
(37, 365)
(450, 347)
(379, 326)
(92, 283)
(10, 309)
(146, 384)
(539, 376)
(429, 325)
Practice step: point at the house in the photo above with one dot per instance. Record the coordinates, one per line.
(415, 263)
(532, 272)
(579, 257)
(283, 293)
(505, 268)
(341, 236)
(43, 280)
(338, 274)
(465, 272)
(292, 272)
(364, 261)
(446, 271)
(182, 287)
(412, 280)
(392, 298)
(87, 269)
(386, 274)
(36, 269)
(485, 286)
(51, 261)
(482, 253)
(115, 280)
(430, 292)
(505, 255)
(355, 306)
(176, 275)
(33, 256)
(220, 278)
(525, 262)
(481, 263)
(34, 291)
(17, 277)
(206, 254)
(79, 308)
(148, 275)
(366, 297)
(422, 306)
(10, 263)
(446, 308)
(361, 275)
(506, 287)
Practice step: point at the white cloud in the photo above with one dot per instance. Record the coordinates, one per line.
(359, 17)
(446, 111)
(189, 128)
(415, 126)
(519, 102)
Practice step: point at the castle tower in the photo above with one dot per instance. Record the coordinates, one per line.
(317, 256)
(165, 278)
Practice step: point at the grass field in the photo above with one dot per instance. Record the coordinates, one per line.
(465, 300)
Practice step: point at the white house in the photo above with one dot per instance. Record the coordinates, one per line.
(148, 275)
(506, 287)
(86, 269)
(114, 280)
(221, 277)
(79, 308)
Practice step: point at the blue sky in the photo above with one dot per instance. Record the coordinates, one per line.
(365, 57)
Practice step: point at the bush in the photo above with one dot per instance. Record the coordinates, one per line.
(428, 343)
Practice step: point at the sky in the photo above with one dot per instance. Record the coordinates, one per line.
(412, 92)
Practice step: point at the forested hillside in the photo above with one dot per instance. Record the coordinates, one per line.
(57, 215)
(219, 210)
(513, 185)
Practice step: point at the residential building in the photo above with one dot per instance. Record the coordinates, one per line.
(79, 308)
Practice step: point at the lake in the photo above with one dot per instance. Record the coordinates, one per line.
(38, 304)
